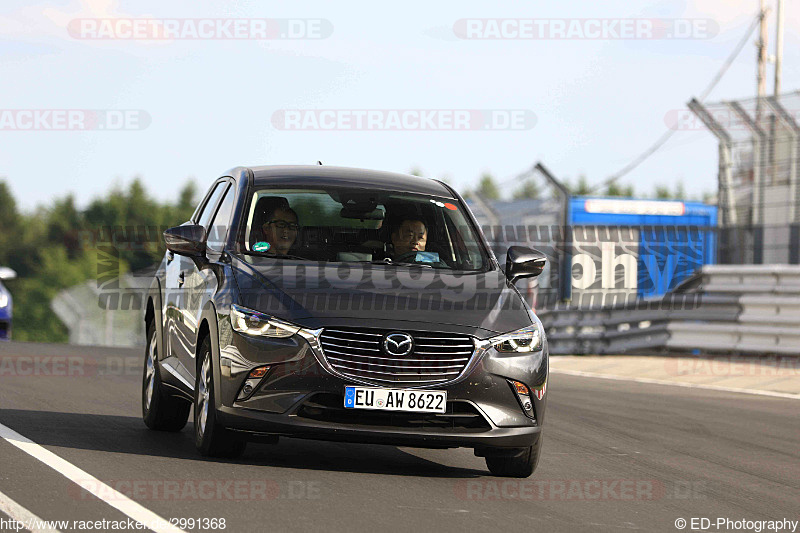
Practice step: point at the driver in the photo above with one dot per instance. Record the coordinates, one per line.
(410, 235)
(278, 223)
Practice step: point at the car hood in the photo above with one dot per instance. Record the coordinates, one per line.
(315, 294)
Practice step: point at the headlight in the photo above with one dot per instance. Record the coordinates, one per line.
(258, 324)
(521, 341)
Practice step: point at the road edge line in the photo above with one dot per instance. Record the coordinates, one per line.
(22, 515)
(772, 394)
(89, 483)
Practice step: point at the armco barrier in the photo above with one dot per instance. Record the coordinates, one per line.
(758, 309)
(729, 308)
(751, 279)
(628, 328)
(715, 336)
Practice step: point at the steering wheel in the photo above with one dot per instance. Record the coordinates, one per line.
(408, 257)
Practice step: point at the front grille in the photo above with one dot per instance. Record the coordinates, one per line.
(328, 407)
(359, 353)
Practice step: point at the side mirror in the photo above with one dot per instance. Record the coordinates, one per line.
(7, 273)
(523, 262)
(189, 240)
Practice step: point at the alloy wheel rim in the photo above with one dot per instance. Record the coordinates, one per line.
(204, 386)
(150, 372)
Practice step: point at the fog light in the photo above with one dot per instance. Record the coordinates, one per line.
(259, 372)
(253, 379)
(523, 395)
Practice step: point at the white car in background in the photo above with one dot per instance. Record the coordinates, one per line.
(5, 303)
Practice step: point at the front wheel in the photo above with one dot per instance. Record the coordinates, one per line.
(519, 464)
(211, 439)
(160, 410)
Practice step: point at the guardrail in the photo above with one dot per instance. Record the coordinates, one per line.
(110, 317)
(751, 279)
(724, 308)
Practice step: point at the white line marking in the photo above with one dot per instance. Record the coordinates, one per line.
(677, 384)
(20, 514)
(89, 483)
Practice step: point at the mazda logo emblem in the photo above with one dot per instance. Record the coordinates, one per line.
(398, 344)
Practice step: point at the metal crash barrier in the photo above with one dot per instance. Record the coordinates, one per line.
(723, 308)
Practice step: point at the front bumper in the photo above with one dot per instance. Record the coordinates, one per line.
(256, 424)
(300, 397)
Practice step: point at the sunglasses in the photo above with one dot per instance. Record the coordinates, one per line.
(282, 224)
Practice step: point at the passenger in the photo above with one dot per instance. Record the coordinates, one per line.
(278, 223)
(410, 235)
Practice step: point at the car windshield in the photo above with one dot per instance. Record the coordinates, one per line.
(358, 225)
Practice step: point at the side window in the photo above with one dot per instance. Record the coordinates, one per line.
(208, 211)
(219, 227)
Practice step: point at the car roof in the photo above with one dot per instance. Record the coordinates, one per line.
(324, 176)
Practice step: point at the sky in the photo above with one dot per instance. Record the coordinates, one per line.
(197, 107)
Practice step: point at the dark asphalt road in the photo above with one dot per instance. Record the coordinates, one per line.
(617, 456)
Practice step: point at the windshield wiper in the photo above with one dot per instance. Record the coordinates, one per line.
(388, 261)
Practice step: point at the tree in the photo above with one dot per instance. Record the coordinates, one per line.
(528, 190)
(487, 188)
(64, 224)
(8, 206)
(187, 200)
(662, 193)
(581, 189)
(57, 247)
(33, 319)
(9, 222)
(680, 191)
(615, 189)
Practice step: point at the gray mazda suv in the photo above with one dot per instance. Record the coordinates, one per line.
(344, 304)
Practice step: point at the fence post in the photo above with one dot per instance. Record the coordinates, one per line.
(758, 245)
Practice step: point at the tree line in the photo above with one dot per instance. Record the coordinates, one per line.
(55, 247)
(532, 188)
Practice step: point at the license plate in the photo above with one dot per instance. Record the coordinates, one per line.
(418, 401)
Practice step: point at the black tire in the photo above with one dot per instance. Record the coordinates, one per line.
(523, 464)
(211, 439)
(160, 410)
